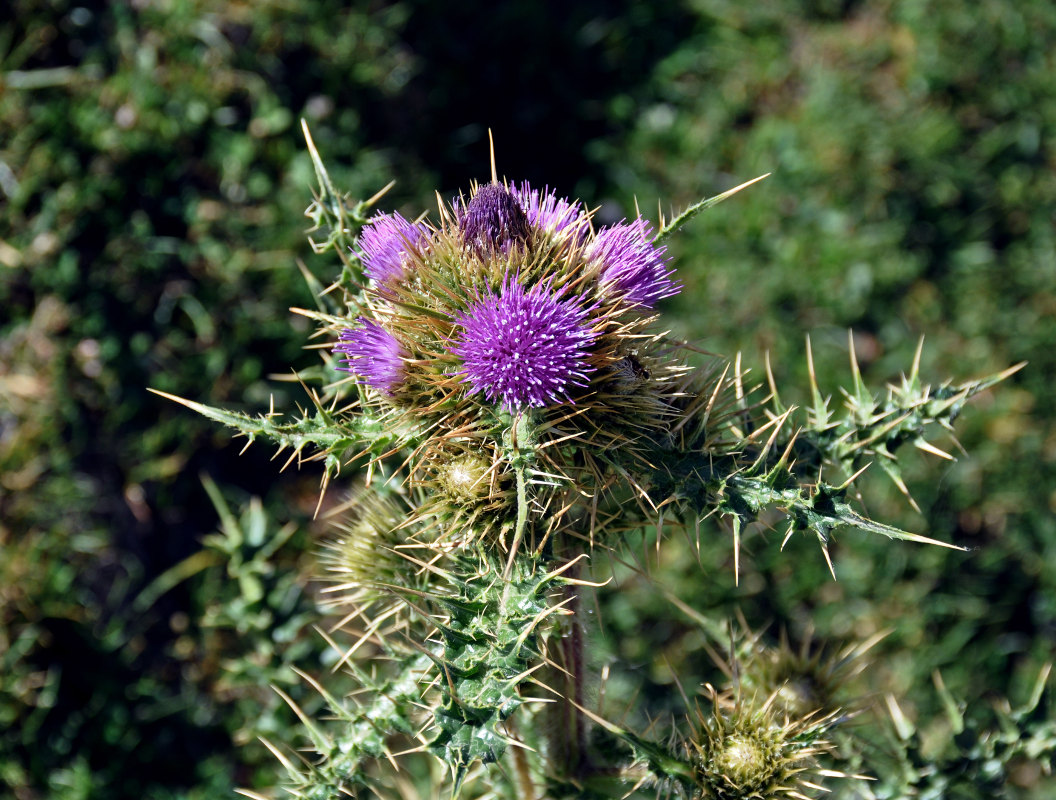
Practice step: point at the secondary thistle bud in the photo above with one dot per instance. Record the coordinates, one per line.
(742, 749)
(806, 679)
(374, 354)
(747, 761)
(466, 480)
(469, 492)
(388, 242)
(363, 553)
(550, 213)
(632, 266)
(493, 220)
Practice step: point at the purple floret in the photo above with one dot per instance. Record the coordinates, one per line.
(492, 220)
(524, 347)
(373, 354)
(631, 265)
(386, 242)
(548, 212)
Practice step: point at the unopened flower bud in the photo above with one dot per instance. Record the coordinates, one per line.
(363, 553)
(466, 479)
(387, 243)
(744, 748)
(747, 760)
(632, 266)
(493, 221)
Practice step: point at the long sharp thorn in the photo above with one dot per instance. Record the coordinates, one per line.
(901, 484)
(317, 162)
(788, 534)
(316, 734)
(379, 194)
(491, 149)
(736, 551)
(788, 448)
(928, 447)
(820, 410)
(914, 372)
(854, 477)
(776, 399)
(738, 378)
(828, 560)
(904, 727)
(278, 754)
(855, 371)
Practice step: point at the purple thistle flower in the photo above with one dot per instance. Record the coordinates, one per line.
(372, 353)
(631, 265)
(524, 347)
(385, 242)
(548, 212)
(492, 220)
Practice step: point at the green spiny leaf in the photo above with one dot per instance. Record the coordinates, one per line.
(667, 228)
(320, 430)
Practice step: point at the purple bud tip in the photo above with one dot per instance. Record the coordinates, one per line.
(631, 265)
(373, 354)
(548, 212)
(493, 220)
(387, 241)
(524, 347)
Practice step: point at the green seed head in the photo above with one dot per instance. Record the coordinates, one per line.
(806, 679)
(469, 493)
(465, 479)
(363, 555)
(746, 748)
(747, 761)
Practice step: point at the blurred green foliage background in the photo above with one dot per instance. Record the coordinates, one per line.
(152, 185)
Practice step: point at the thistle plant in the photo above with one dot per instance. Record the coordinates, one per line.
(497, 376)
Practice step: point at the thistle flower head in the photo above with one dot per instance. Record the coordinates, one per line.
(373, 354)
(548, 212)
(493, 220)
(466, 479)
(362, 555)
(513, 304)
(524, 347)
(631, 265)
(806, 679)
(743, 749)
(387, 241)
(468, 490)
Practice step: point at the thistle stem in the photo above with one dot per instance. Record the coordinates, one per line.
(568, 739)
(523, 776)
(522, 519)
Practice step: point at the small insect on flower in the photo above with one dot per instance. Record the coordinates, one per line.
(628, 375)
